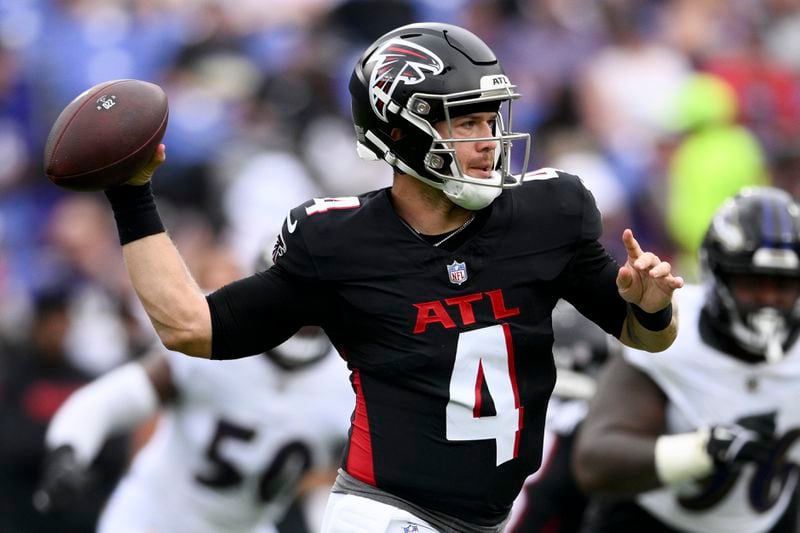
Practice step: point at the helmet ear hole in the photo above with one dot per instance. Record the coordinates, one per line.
(414, 147)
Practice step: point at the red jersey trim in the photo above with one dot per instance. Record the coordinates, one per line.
(359, 454)
(512, 371)
(476, 409)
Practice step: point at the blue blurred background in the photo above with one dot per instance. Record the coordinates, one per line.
(663, 107)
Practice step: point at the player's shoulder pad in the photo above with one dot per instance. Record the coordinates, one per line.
(550, 192)
(307, 228)
(551, 184)
(544, 173)
(554, 177)
(317, 211)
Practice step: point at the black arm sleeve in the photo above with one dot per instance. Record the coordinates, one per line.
(259, 312)
(592, 287)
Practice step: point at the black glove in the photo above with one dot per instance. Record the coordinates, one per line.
(64, 481)
(749, 439)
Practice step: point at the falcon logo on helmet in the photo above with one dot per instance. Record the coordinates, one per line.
(399, 61)
(278, 249)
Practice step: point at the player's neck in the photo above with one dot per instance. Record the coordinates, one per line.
(425, 209)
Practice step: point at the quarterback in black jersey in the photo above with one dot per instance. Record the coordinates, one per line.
(437, 291)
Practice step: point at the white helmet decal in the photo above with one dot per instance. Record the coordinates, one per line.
(398, 61)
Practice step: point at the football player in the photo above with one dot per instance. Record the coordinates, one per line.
(437, 290)
(233, 442)
(704, 437)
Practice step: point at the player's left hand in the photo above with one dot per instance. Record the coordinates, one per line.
(749, 439)
(644, 279)
(63, 483)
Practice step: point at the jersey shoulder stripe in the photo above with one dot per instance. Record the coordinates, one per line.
(544, 173)
(321, 233)
(550, 195)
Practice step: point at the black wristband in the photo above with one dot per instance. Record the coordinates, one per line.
(653, 321)
(135, 211)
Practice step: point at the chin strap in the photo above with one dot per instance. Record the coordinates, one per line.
(467, 195)
(471, 195)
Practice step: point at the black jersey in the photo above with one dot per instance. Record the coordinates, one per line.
(450, 351)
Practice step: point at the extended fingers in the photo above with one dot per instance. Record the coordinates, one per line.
(624, 278)
(159, 157)
(146, 174)
(647, 261)
(663, 270)
(673, 282)
(659, 268)
(631, 244)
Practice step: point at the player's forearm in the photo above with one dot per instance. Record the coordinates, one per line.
(173, 301)
(616, 463)
(118, 401)
(646, 337)
(171, 298)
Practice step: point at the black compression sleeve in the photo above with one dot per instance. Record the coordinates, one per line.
(257, 313)
(657, 321)
(134, 211)
(592, 288)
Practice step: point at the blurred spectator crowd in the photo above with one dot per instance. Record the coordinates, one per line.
(663, 107)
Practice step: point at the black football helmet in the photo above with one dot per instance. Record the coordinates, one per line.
(421, 74)
(757, 232)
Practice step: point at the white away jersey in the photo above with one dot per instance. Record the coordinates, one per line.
(707, 387)
(223, 454)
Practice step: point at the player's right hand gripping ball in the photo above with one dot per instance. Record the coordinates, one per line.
(106, 135)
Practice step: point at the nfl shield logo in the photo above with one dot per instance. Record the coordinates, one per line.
(457, 272)
(411, 528)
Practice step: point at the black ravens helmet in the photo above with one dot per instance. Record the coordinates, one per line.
(421, 74)
(754, 235)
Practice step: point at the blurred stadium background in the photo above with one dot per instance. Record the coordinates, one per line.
(663, 107)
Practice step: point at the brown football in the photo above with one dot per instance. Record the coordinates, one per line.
(106, 135)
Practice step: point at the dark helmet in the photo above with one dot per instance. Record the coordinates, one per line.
(421, 74)
(757, 232)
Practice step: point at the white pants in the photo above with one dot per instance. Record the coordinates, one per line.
(346, 513)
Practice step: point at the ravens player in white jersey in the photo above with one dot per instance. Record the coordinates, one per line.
(437, 291)
(704, 438)
(233, 441)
